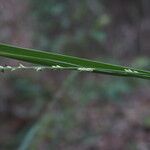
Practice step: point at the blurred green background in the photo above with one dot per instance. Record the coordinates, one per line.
(53, 110)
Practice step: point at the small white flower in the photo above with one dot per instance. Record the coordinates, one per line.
(57, 67)
(85, 69)
(38, 68)
(1, 67)
(13, 69)
(128, 70)
(9, 67)
(21, 66)
(135, 71)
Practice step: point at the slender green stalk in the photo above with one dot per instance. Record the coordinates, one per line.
(54, 61)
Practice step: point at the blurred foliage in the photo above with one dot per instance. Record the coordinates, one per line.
(65, 25)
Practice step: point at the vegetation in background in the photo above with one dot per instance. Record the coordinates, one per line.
(76, 111)
(70, 25)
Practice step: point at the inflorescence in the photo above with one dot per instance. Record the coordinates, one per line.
(40, 68)
(56, 67)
